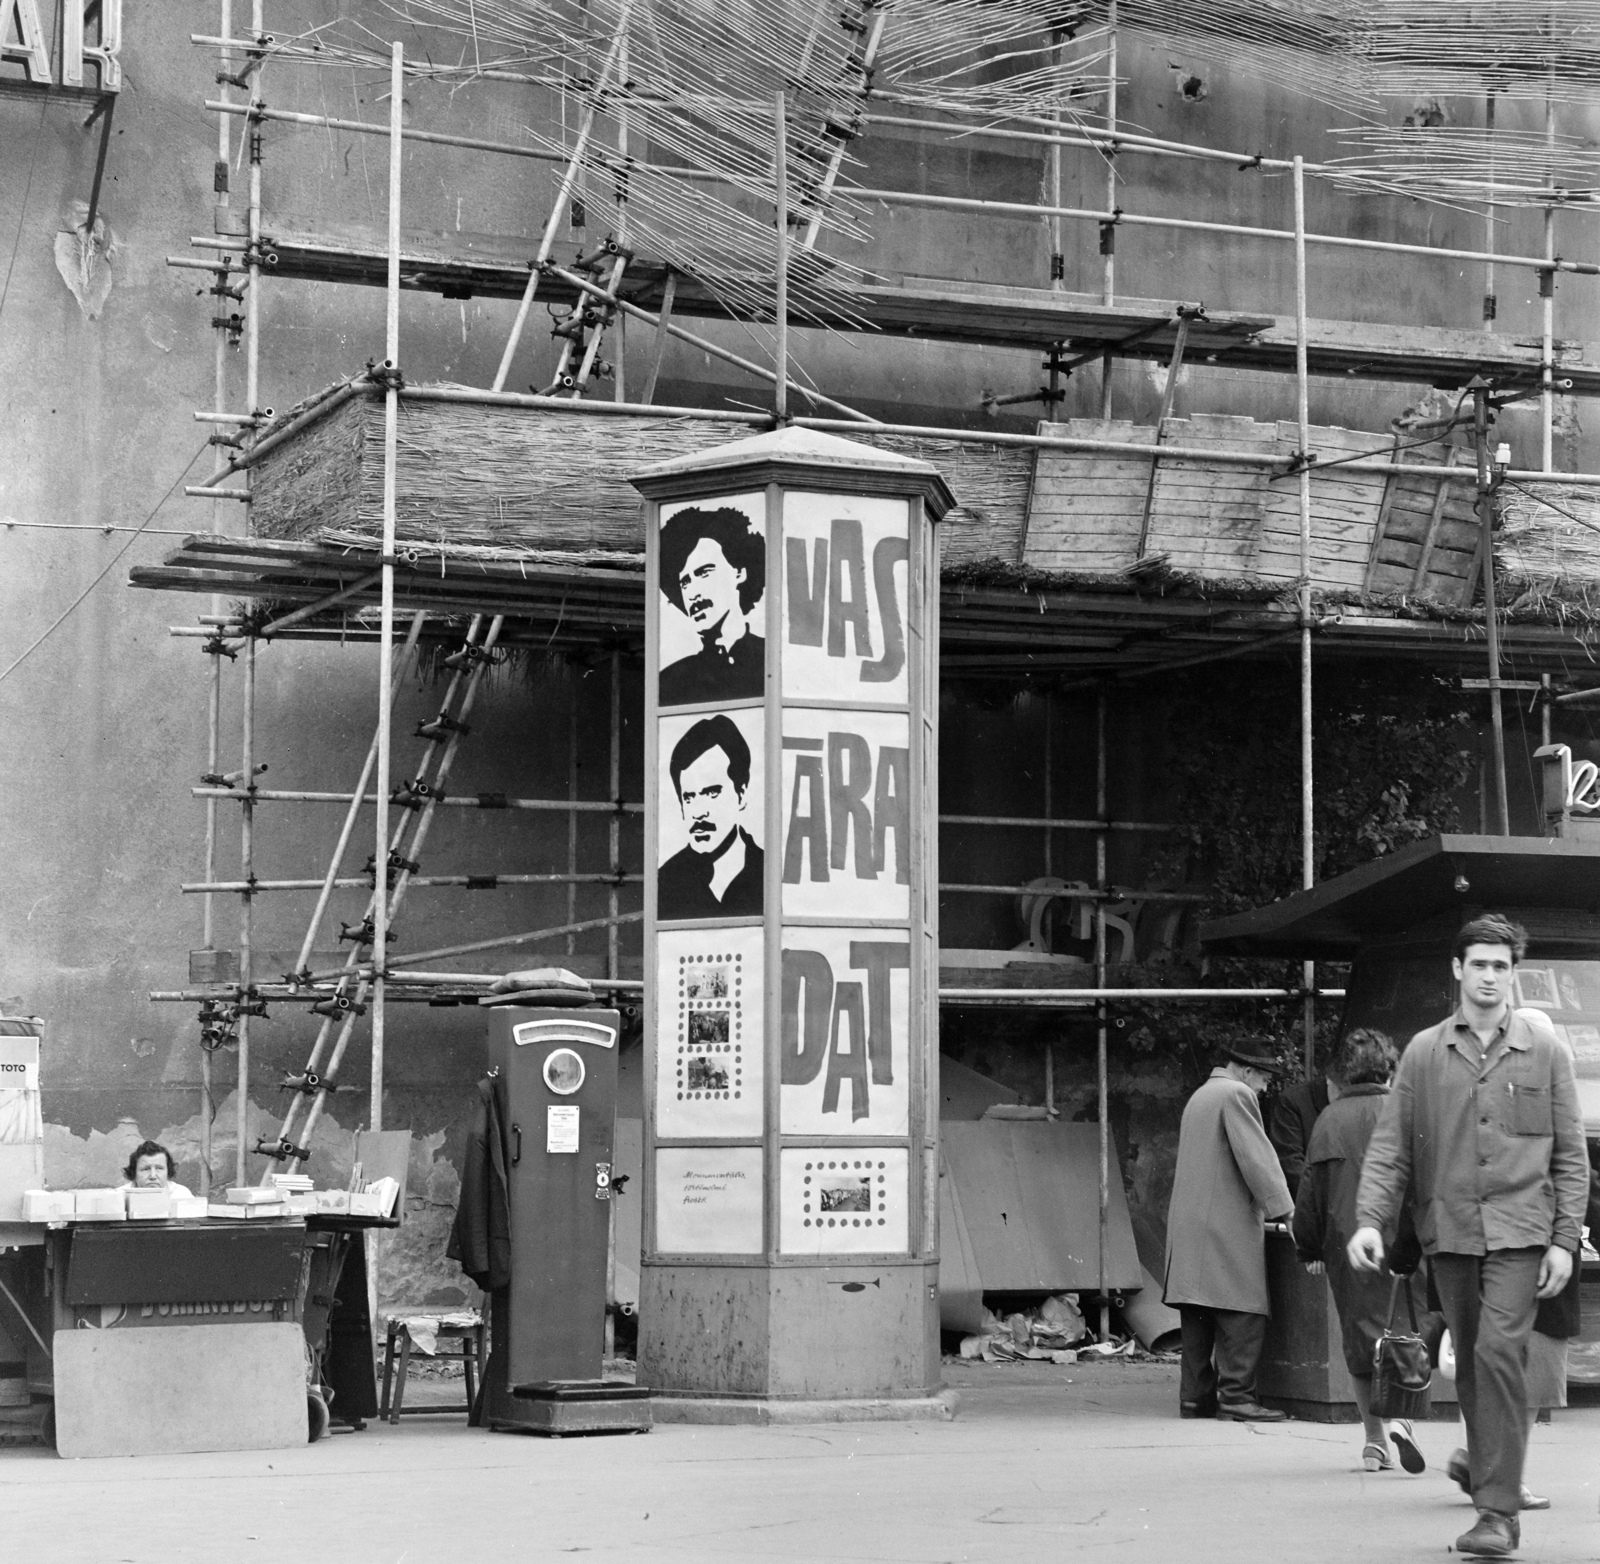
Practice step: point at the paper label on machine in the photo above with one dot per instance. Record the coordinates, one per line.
(846, 571)
(845, 1037)
(847, 814)
(561, 1129)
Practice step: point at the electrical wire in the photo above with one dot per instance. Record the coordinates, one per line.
(109, 566)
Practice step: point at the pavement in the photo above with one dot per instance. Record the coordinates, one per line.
(1041, 1463)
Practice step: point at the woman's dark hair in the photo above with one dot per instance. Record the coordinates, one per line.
(1365, 1057)
(730, 530)
(149, 1148)
(1493, 928)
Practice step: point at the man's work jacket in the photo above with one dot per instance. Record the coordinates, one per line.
(1492, 1149)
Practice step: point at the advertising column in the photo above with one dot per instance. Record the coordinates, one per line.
(791, 930)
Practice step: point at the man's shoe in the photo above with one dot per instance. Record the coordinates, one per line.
(1197, 1409)
(1248, 1412)
(1494, 1537)
(1533, 1501)
(1459, 1470)
(1405, 1441)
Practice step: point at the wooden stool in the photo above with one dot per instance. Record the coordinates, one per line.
(470, 1346)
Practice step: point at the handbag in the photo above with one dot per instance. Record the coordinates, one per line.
(1402, 1376)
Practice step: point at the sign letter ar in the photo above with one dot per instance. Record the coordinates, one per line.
(824, 816)
(22, 38)
(816, 1010)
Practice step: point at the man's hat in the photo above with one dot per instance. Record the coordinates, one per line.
(1254, 1051)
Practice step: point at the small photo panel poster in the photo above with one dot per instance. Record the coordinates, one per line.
(709, 820)
(843, 1202)
(846, 797)
(846, 589)
(709, 1033)
(708, 1200)
(845, 1042)
(713, 556)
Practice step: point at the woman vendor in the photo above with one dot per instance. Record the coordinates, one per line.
(151, 1167)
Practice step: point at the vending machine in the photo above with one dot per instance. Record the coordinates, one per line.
(557, 1085)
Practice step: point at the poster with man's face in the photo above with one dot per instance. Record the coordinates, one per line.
(713, 557)
(709, 814)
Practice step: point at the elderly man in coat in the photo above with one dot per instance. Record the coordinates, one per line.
(1227, 1180)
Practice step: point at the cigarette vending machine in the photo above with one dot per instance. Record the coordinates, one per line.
(557, 1080)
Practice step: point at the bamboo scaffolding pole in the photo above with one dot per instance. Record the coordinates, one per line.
(1108, 276)
(1242, 230)
(346, 830)
(572, 814)
(246, 908)
(471, 882)
(1379, 462)
(614, 829)
(502, 942)
(352, 960)
(1102, 1079)
(391, 440)
(780, 307)
(704, 344)
(1547, 312)
(1491, 619)
(451, 801)
(1308, 858)
(558, 207)
(619, 377)
(1045, 998)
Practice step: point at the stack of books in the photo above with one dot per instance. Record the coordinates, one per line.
(296, 1190)
(250, 1204)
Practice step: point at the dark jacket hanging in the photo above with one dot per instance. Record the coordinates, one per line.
(480, 1239)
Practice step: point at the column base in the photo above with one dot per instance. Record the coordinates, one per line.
(762, 1410)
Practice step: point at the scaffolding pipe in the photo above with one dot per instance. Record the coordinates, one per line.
(391, 439)
(1480, 432)
(436, 881)
(1102, 1087)
(1108, 279)
(1308, 855)
(1547, 309)
(615, 829)
(780, 306)
(558, 208)
(485, 801)
(1187, 224)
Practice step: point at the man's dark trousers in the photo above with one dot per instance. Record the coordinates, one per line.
(1235, 1339)
(1488, 1302)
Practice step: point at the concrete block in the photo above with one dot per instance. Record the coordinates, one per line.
(163, 1389)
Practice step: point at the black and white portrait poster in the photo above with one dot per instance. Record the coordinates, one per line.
(845, 1038)
(713, 556)
(845, 598)
(846, 792)
(710, 792)
(709, 1032)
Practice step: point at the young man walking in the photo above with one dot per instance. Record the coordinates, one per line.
(1482, 1126)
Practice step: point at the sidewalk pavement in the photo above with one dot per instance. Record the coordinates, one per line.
(1041, 1463)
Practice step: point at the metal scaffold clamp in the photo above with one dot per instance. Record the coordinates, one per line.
(440, 729)
(396, 865)
(386, 374)
(412, 795)
(336, 1005)
(282, 1150)
(308, 1082)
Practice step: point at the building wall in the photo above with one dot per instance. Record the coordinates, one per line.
(105, 713)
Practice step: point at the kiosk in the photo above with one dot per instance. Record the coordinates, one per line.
(1394, 920)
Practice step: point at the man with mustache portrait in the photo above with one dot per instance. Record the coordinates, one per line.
(713, 570)
(718, 875)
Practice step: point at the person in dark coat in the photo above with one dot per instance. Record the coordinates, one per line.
(1289, 1124)
(1227, 1179)
(1325, 1219)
